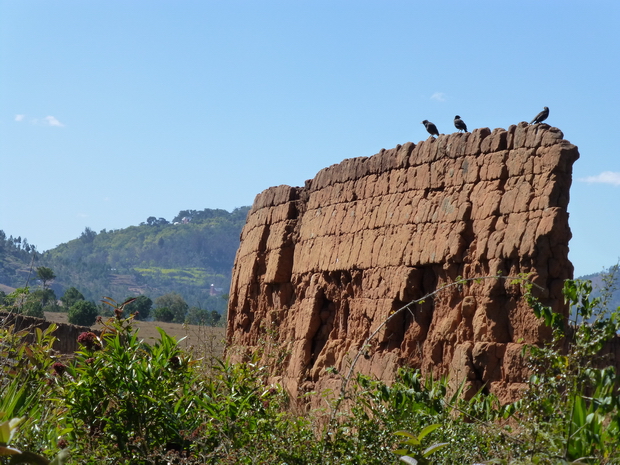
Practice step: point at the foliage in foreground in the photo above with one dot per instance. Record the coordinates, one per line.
(121, 401)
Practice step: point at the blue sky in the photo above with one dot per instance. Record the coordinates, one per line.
(114, 111)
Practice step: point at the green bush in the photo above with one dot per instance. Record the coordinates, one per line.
(47, 300)
(140, 307)
(175, 304)
(83, 313)
(202, 317)
(26, 390)
(33, 308)
(571, 409)
(135, 396)
(163, 314)
(70, 297)
(28, 303)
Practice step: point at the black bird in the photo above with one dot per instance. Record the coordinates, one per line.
(540, 117)
(431, 128)
(460, 124)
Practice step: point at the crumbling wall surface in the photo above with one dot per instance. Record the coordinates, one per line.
(321, 266)
(66, 334)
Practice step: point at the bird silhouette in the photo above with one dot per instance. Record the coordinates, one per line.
(460, 124)
(540, 117)
(431, 128)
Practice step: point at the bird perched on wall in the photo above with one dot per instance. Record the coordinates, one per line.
(459, 124)
(431, 128)
(540, 117)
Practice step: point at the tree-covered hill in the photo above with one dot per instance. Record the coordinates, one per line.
(16, 256)
(193, 255)
(606, 284)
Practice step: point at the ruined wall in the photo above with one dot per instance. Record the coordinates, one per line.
(66, 334)
(321, 266)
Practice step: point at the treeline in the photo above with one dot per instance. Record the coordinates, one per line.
(35, 301)
(16, 255)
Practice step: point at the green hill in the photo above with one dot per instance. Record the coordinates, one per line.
(192, 255)
(609, 280)
(16, 258)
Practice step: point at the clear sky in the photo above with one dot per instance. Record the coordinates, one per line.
(113, 111)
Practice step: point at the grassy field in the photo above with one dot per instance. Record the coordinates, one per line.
(201, 340)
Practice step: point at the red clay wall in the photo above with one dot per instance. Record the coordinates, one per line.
(321, 266)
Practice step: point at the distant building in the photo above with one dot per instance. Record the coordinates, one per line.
(215, 290)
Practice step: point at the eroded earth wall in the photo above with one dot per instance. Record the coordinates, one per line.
(66, 334)
(320, 267)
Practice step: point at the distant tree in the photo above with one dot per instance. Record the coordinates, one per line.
(142, 306)
(33, 308)
(71, 296)
(163, 314)
(170, 259)
(240, 213)
(183, 214)
(202, 317)
(43, 295)
(45, 275)
(24, 302)
(215, 318)
(175, 303)
(152, 221)
(47, 299)
(88, 235)
(16, 299)
(197, 316)
(83, 313)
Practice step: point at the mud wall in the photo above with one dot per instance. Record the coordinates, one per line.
(66, 334)
(321, 266)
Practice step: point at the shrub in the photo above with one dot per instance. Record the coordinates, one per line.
(175, 304)
(140, 307)
(163, 314)
(202, 317)
(139, 397)
(70, 297)
(46, 298)
(571, 409)
(33, 308)
(83, 313)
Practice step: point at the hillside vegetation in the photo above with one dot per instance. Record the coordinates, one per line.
(15, 258)
(191, 255)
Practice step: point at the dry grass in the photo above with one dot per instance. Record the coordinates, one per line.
(203, 341)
